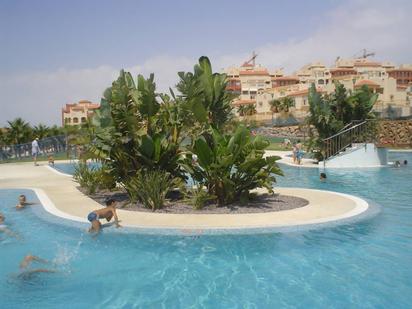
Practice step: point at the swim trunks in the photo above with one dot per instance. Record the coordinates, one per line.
(92, 216)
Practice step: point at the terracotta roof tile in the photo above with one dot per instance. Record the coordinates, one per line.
(244, 102)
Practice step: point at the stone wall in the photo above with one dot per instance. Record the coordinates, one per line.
(286, 131)
(396, 133)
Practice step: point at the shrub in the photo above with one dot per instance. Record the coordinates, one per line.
(92, 178)
(231, 165)
(150, 188)
(88, 177)
(199, 197)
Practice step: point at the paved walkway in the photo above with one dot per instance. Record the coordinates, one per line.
(286, 158)
(59, 195)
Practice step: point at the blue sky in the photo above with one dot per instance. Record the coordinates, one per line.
(75, 34)
(55, 52)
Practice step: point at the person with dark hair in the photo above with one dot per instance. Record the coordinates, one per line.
(23, 202)
(405, 162)
(107, 213)
(322, 176)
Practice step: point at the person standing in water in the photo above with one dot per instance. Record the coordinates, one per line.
(107, 213)
(23, 202)
(299, 152)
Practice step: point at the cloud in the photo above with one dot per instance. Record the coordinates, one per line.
(382, 27)
(39, 96)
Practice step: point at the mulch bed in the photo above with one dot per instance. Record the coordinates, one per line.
(261, 203)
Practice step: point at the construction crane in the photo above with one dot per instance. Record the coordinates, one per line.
(251, 61)
(364, 54)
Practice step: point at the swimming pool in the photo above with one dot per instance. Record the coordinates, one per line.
(359, 265)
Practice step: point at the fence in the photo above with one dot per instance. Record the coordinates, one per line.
(48, 146)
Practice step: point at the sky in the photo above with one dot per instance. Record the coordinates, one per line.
(56, 52)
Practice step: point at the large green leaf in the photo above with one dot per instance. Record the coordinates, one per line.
(203, 152)
(147, 147)
(199, 111)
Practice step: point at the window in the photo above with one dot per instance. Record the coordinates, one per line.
(83, 119)
(75, 120)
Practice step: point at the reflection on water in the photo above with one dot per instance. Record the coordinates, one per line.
(358, 264)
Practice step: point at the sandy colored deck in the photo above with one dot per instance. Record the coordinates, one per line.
(59, 195)
(286, 158)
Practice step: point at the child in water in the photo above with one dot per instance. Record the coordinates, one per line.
(23, 202)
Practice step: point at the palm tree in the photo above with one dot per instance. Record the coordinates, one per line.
(275, 105)
(19, 131)
(3, 137)
(41, 131)
(241, 110)
(286, 104)
(250, 109)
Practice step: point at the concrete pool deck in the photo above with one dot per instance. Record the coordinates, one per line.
(286, 158)
(59, 196)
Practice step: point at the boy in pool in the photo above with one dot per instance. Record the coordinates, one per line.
(105, 213)
(23, 202)
(26, 262)
(3, 227)
(322, 177)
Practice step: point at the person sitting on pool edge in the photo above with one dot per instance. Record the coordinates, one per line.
(23, 202)
(107, 213)
(322, 177)
(50, 160)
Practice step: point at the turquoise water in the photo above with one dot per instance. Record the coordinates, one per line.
(69, 168)
(366, 264)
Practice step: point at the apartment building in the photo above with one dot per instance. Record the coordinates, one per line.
(78, 113)
(258, 86)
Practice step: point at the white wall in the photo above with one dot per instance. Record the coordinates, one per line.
(366, 155)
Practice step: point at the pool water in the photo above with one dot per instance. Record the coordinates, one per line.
(366, 264)
(70, 168)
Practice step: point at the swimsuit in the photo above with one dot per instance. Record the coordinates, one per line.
(92, 216)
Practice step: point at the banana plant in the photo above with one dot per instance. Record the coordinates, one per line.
(205, 95)
(232, 165)
(130, 135)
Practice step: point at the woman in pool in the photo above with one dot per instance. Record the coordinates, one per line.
(107, 213)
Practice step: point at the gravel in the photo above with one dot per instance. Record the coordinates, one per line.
(261, 203)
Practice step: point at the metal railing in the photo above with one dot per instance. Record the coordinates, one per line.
(357, 132)
(48, 146)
